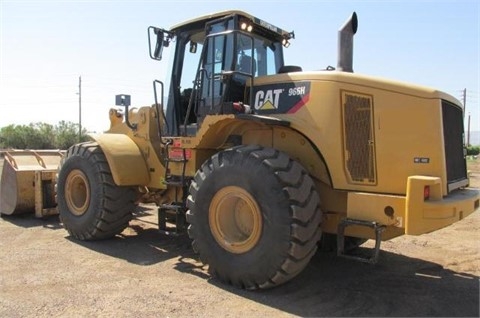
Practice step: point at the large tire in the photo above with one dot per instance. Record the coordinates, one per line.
(91, 206)
(254, 216)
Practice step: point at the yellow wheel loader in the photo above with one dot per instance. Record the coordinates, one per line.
(262, 162)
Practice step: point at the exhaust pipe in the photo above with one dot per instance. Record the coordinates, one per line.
(345, 44)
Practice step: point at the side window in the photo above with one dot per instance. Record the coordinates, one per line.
(189, 71)
(246, 62)
(258, 58)
(267, 58)
(217, 59)
(190, 65)
(272, 68)
(212, 66)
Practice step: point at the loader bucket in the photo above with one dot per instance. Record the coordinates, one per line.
(28, 182)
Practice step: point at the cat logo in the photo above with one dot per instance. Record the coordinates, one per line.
(268, 99)
(280, 98)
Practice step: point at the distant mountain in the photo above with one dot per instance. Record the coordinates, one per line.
(474, 138)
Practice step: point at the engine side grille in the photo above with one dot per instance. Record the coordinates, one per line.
(358, 137)
(453, 137)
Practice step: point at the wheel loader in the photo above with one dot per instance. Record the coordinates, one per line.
(261, 162)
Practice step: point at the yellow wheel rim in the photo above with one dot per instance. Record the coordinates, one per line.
(77, 192)
(235, 219)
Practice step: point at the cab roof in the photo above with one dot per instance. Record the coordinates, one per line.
(202, 20)
(209, 17)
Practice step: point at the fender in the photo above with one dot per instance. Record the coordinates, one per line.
(126, 162)
(216, 132)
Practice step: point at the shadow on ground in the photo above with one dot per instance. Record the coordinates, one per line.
(330, 286)
(398, 286)
(29, 221)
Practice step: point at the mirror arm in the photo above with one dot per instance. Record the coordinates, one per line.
(159, 45)
(127, 121)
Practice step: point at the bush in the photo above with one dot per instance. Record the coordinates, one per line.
(473, 150)
(40, 136)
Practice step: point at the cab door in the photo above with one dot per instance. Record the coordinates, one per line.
(217, 59)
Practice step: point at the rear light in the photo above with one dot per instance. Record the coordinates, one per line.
(426, 193)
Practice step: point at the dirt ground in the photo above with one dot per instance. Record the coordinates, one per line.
(142, 273)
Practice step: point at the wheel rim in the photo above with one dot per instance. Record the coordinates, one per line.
(235, 219)
(77, 192)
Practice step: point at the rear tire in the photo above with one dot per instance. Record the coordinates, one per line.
(254, 216)
(91, 206)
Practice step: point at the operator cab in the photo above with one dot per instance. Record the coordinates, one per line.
(215, 61)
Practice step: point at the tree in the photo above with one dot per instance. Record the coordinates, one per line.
(11, 137)
(66, 134)
(47, 133)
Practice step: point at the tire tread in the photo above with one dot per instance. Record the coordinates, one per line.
(117, 202)
(305, 212)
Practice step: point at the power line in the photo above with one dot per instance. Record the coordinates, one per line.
(33, 103)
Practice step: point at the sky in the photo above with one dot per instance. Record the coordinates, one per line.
(45, 46)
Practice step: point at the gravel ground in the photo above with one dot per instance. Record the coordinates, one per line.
(143, 273)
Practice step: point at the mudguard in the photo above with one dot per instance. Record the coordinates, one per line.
(125, 159)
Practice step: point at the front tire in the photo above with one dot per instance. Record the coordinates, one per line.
(254, 216)
(91, 206)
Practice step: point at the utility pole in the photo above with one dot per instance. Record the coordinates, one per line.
(468, 132)
(80, 109)
(464, 112)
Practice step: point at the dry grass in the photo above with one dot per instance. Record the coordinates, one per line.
(473, 165)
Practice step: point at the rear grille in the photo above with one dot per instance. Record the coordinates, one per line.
(453, 136)
(359, 139)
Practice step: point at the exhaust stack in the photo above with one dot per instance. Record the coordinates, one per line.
(345, 44)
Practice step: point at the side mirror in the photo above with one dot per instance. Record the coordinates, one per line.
(160, 42)
(193, 47)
